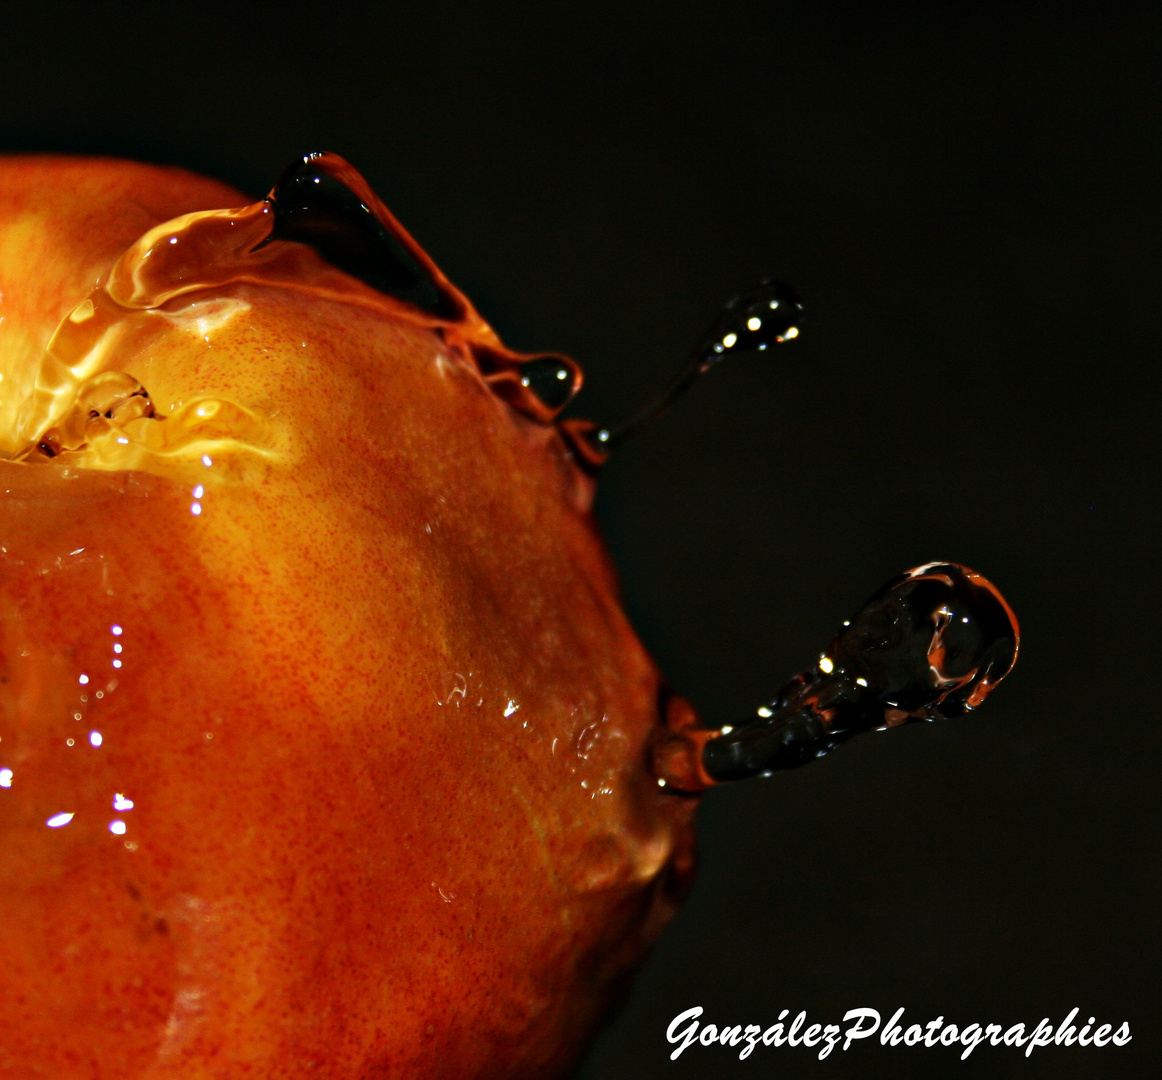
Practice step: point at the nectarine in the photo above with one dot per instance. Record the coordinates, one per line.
(324, 737)
(325, 746)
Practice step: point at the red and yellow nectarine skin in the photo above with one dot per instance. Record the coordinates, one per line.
(336, 623)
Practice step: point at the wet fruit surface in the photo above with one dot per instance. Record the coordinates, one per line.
(325, 747)
(323, 737)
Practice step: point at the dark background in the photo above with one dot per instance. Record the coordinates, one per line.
(967, 201)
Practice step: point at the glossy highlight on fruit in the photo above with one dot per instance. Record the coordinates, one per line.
(323, 738)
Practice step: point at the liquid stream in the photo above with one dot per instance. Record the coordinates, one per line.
(930, 644)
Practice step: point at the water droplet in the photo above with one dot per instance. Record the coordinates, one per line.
(762, 316)
(553, 380)
(930, 643)
(765, 315)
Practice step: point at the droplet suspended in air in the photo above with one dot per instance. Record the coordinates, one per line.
(768, 314)
(931, 643)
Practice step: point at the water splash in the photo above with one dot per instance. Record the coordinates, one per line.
(931, 643)
(320, 231)
(767, 314)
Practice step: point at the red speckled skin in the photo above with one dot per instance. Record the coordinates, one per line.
(343, 858)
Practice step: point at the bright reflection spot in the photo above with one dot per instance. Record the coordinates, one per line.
(861, 682)
(792, 332)
(122, 440)
(726, 729)
(84, 680)
(562, 374)
(774, 304)
(661, 782)
(729, 340)
(115, 630)
(764, 712)
(117, 647)
(207, 460)
(173, 239)
(826, 666)
(57, 820)
(753, 323)
(199, 491)
(95, 738)
(5, 777)
(511, 707)
(122, 803)
(117, 828)
(117, 663)
(195, 509)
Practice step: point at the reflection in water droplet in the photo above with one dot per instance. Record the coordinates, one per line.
(95, 738)
(6, 777)
(59, 820)
(117, 828)
(122, 803)
(746, 323)
(931, 643)
(552, 380)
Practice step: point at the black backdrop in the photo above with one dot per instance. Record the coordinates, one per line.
(967, 201)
